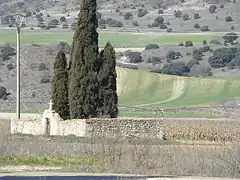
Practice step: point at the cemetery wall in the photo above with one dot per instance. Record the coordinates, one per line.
(93, 127)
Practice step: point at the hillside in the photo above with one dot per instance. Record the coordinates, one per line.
(163, 26)
(136, 88)
(130, 14)
(143, 89)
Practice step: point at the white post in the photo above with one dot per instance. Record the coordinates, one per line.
(18, 73)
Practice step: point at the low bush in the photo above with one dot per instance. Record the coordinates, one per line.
(152, 46)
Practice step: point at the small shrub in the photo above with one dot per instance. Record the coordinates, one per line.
(181, 44)
(142, 12)
(197, 55)
(62, 19)
(41, 25)
(204, 28)
(178, 14)
(7, 50)
(228, 19)
(221, 6)
(154, 60)
(214, 41)
(128, 16)
(65, 26)
(10, 66)
(230, 37)
(159, 20)
(65, 47)
(42, 67)
(204, 42)
(135, 23)
(205, 48)
(169, 30)
(188, 43)
(175, 68)
(110, 21)
(53, 23)
(45, 80)
(154, 24)
(197, 26)
(74, 26)
(135, 57)
(196, 16)
(28, 14)
(163, 26)
(151, 46)
(3, 92)
(118, 24)
(191, 63)
(212, 9)
(171, 55)
(99, 15)
(101, 21)
(186, 17)
(102, 26)
(160, 11)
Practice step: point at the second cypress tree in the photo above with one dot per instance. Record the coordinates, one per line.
(59, 92)
(107, 78)
(84, 65)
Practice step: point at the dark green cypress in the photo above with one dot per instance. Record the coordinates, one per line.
(59, 92)
(83, 85)
(107, 78)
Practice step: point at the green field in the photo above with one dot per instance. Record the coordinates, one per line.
(146, 91)
(118, 39)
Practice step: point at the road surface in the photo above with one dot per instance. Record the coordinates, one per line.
(82, 176)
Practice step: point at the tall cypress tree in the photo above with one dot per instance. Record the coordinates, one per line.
(108, 83)
(83, 85)
(59, 92)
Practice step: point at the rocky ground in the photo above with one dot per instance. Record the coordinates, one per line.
(116, 9)
(37, 61)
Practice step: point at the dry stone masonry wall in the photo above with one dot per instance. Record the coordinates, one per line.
(52, 124)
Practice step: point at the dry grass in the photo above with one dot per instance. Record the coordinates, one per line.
(200, 130)
(109, 155)
(95, 156)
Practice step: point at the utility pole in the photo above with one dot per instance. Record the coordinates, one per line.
(18, 69)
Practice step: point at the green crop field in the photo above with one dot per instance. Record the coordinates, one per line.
(145, 91)
(118, 39)
(149, 90)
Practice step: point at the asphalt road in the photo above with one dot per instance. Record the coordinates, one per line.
(69, 178)
(72, 176)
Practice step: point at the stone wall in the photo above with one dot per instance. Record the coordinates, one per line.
(124, 127)
(94, 127)
(64, 128)
(32, 126)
